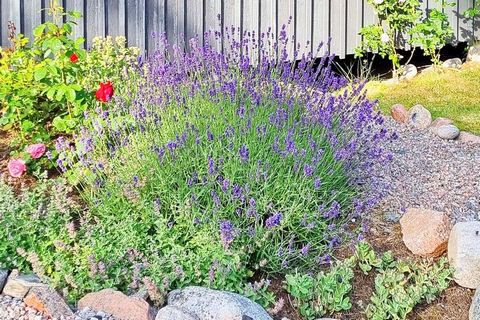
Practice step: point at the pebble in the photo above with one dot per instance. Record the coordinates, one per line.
(448, 132)
(409, 72)
(420, 117)
(454, 63)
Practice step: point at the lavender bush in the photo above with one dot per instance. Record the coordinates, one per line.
(218, 164)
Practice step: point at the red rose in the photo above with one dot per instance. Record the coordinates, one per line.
(105, 92)
(74, 57)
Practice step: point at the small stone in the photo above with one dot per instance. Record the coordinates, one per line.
(447, 132)
(428, 69)
(18, 286)
(419, 117)
(438, 122)
(409, 72)
(174, 313)
(474, 53)
(464, 253)
(211, 304)
(48, 301)
(392, 216)
(425, 232)
(3, 278)
(455, 63)
(399, 113)
(468, 137)
(117, 304)
(474, 313)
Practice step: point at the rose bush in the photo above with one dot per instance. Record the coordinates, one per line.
(47, 85)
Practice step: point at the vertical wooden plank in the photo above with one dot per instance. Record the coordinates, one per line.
(321, 23)
(194, 23)
(115, 24)
(94, 20)
(354, 24)
(136, 23)
(232, 21)
(175, 22)
(465, 26)
(338, 27)
(155, 16)
(251, 24)
(453, 17)
(286, 18)
(212, 8)
(4, 17)
(9, 11)
(268, 11)
(476, 24)
(369, 16)
(303, 27)
(78, 6)
(32, 16)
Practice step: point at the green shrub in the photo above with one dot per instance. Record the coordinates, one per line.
(48, 85)
(401, 19)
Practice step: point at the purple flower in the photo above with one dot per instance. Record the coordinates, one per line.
(274, 220)
(227, 232)
(244, 153)
(225, 185)
(305, 249)
(216, 198)
(317, 183)
(209, 135)
(211, 166)
(307, 170)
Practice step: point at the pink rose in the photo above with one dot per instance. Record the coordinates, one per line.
(16, 167)
(36, 150)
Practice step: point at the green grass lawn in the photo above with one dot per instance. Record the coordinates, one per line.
(453, 94)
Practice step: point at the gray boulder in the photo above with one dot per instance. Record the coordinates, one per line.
(447, 132)
(454, 63)
(464, 253)
(17, 286)
(409, 72)
(3, 278)
(474, 53)
(475, 306)
(419, 117)
(205, 303)
(174, 313)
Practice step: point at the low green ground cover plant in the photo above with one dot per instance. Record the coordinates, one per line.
(324, 293)
(399, 285)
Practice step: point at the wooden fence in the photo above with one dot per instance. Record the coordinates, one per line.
(311, 20)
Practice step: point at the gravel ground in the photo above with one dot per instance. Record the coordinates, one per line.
(431, 173)
(15, 309)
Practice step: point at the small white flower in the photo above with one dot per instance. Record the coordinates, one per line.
(385, 38)
(378, 1)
